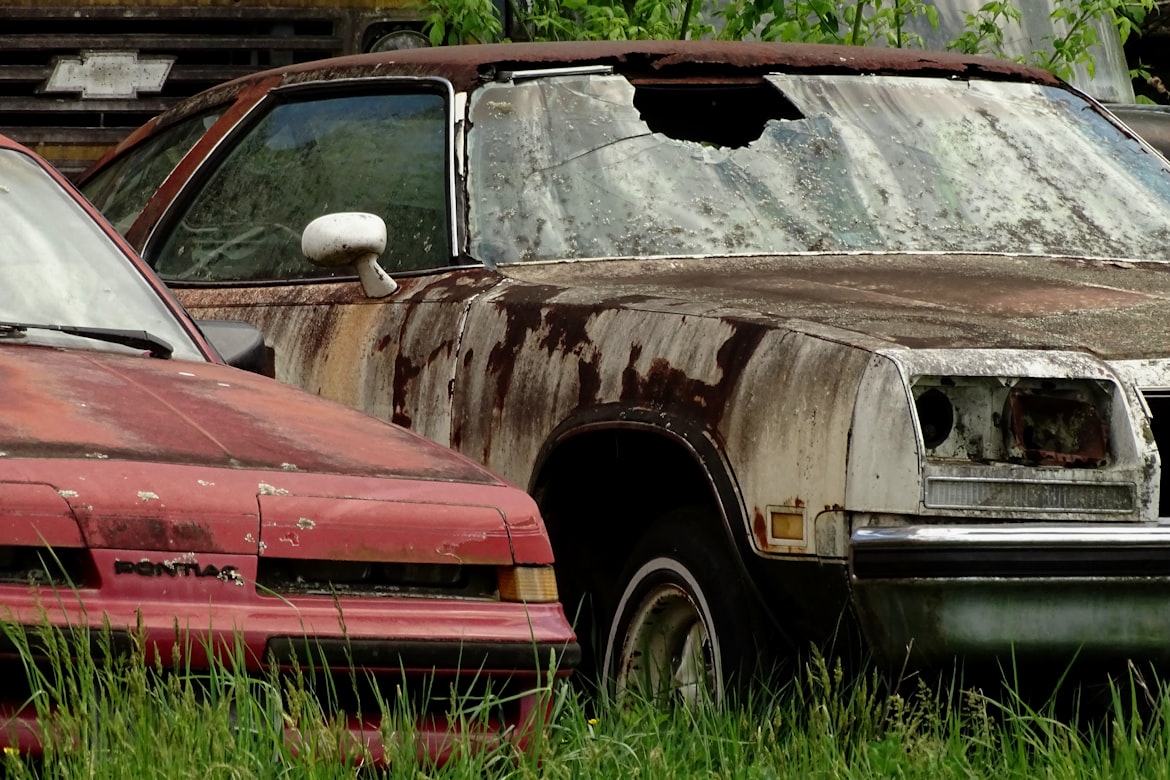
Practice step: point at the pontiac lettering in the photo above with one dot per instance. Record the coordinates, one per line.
(147, 568)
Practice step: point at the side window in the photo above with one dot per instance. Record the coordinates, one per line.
(122, 190)
(380, 153)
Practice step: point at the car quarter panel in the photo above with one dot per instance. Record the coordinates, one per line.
(497, 385)
(536, 355)
(393, 358)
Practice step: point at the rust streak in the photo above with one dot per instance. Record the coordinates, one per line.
(666, 385)
(760, 527)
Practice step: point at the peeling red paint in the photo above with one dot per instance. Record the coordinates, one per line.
(410, 531)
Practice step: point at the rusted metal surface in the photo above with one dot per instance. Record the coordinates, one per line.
(1118, 311)
(544, 344)
(1058, 431)
(778, 391)
(466, 66)
(530, 355)
(395, 359)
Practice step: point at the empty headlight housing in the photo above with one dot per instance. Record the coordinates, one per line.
(1035, 422)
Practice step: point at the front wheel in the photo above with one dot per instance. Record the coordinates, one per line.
(682, 628)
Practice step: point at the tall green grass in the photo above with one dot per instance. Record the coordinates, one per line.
(124, 717)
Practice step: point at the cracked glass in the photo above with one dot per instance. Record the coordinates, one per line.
(567, 168)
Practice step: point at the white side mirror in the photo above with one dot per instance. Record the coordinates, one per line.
(350, 238)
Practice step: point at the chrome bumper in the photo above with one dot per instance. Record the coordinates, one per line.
(931, 594)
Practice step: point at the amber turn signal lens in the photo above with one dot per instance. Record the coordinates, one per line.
(532, 584)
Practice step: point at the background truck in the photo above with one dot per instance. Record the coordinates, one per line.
(75, 79)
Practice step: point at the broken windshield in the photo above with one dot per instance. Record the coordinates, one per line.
(569, 168)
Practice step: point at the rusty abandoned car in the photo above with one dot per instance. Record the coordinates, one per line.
(199, 509)
(783, 339)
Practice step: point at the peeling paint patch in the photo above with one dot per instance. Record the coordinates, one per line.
(269, 490)
(249, 538)
(288, 466)
(204, 483)
(231, 575)
(67, 493)
(146, 495)
(305, 524)
(262, 547)
(97, 455)
(449, 550)
(291, 539)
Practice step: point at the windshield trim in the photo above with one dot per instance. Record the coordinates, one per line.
(1126, 261)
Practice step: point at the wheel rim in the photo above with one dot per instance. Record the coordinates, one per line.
(667, 654)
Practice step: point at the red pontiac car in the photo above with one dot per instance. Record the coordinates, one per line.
(144, 482)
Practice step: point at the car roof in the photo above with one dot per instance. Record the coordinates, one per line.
(467, 66)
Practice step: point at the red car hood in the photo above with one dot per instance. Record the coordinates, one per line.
(95, 405)
(134, 453)
(1112, 309)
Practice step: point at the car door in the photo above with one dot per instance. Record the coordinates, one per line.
(230, 243)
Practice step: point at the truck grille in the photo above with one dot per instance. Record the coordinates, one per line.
(208, 46)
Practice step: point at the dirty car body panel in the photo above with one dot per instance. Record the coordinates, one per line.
(783, 338)
(197, 512)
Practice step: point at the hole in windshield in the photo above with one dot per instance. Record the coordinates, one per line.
(725, 115)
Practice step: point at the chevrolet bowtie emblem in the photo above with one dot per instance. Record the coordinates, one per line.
(108, 74)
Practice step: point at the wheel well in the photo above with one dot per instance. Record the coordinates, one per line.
(599, 493)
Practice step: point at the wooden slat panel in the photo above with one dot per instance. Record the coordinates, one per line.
(168, 42)
(41, 104)
(212, 74)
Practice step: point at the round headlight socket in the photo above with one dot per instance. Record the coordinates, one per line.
(936, 417)
(399, 40)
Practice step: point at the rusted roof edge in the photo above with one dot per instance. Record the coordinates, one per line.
(466, 66)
